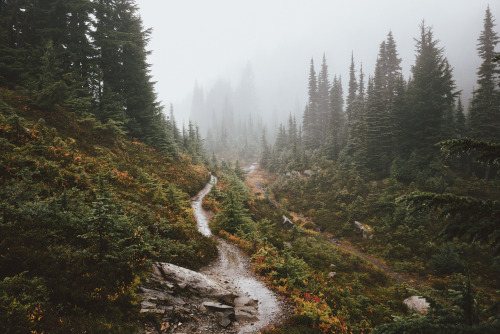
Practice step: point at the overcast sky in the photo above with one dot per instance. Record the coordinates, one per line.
(203, 40)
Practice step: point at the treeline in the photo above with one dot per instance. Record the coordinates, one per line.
(229, 117)
(88, 56)
(389, 124)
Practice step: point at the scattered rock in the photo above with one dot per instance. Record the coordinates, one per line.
(417, 303)
(365, 229)
(146, 304)
(223, 318)
(287, 223)
(308, 172)
(248, 309)
(332, 274)
(245, 301)
(217, 306)
(242, 315)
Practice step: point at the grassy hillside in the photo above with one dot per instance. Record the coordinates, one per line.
(84, 210)
(441, 229)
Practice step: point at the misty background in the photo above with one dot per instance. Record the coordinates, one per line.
(207, 48)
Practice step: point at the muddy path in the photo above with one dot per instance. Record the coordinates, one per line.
(233, 268)
(255, 179)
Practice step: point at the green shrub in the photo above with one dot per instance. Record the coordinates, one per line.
(447, 261)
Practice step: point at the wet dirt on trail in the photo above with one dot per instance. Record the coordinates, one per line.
(232, 268)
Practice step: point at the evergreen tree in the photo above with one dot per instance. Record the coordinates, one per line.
(173, 125)
(355, 153)
(12, 54)
(281, 143)
(293, 140)
(431, 94)
(321, 126)
(234, 214)
(401, 144)
(380, 107)
(460, 122)
(108, 41)
(484, 115)
(265, 153)
(311, 111)
(351, 94)
(336, 140)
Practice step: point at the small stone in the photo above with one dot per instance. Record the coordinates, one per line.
(179, 301)
(332, 274)
(223, 319)
(146, 304)
(245, 301)
(217, 306)
(248, 309)
(241, 315)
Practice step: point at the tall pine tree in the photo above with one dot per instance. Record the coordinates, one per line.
(380, 107)
(311, 111)
(484, 115)
(431, 93)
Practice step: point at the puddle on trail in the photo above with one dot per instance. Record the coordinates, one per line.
(233, 268)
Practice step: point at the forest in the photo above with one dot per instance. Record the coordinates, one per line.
(96, 179)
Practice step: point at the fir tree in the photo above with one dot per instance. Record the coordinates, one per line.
(265, 152)
(311, 111)
(351, 94)
(380, 107)
(355, 153)
(321, 126)
(431, 93)
(234, 214)
(460, 121)
(336, 140)
(484, 115)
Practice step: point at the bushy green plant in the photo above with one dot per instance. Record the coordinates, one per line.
(23, 304)
(447, 261)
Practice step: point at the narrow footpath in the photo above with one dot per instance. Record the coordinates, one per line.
(233, 268)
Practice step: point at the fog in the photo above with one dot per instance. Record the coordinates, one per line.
(200, 42)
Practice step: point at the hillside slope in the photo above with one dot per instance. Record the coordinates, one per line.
(84, 210)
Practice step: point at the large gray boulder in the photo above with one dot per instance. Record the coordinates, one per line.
(195, 282)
